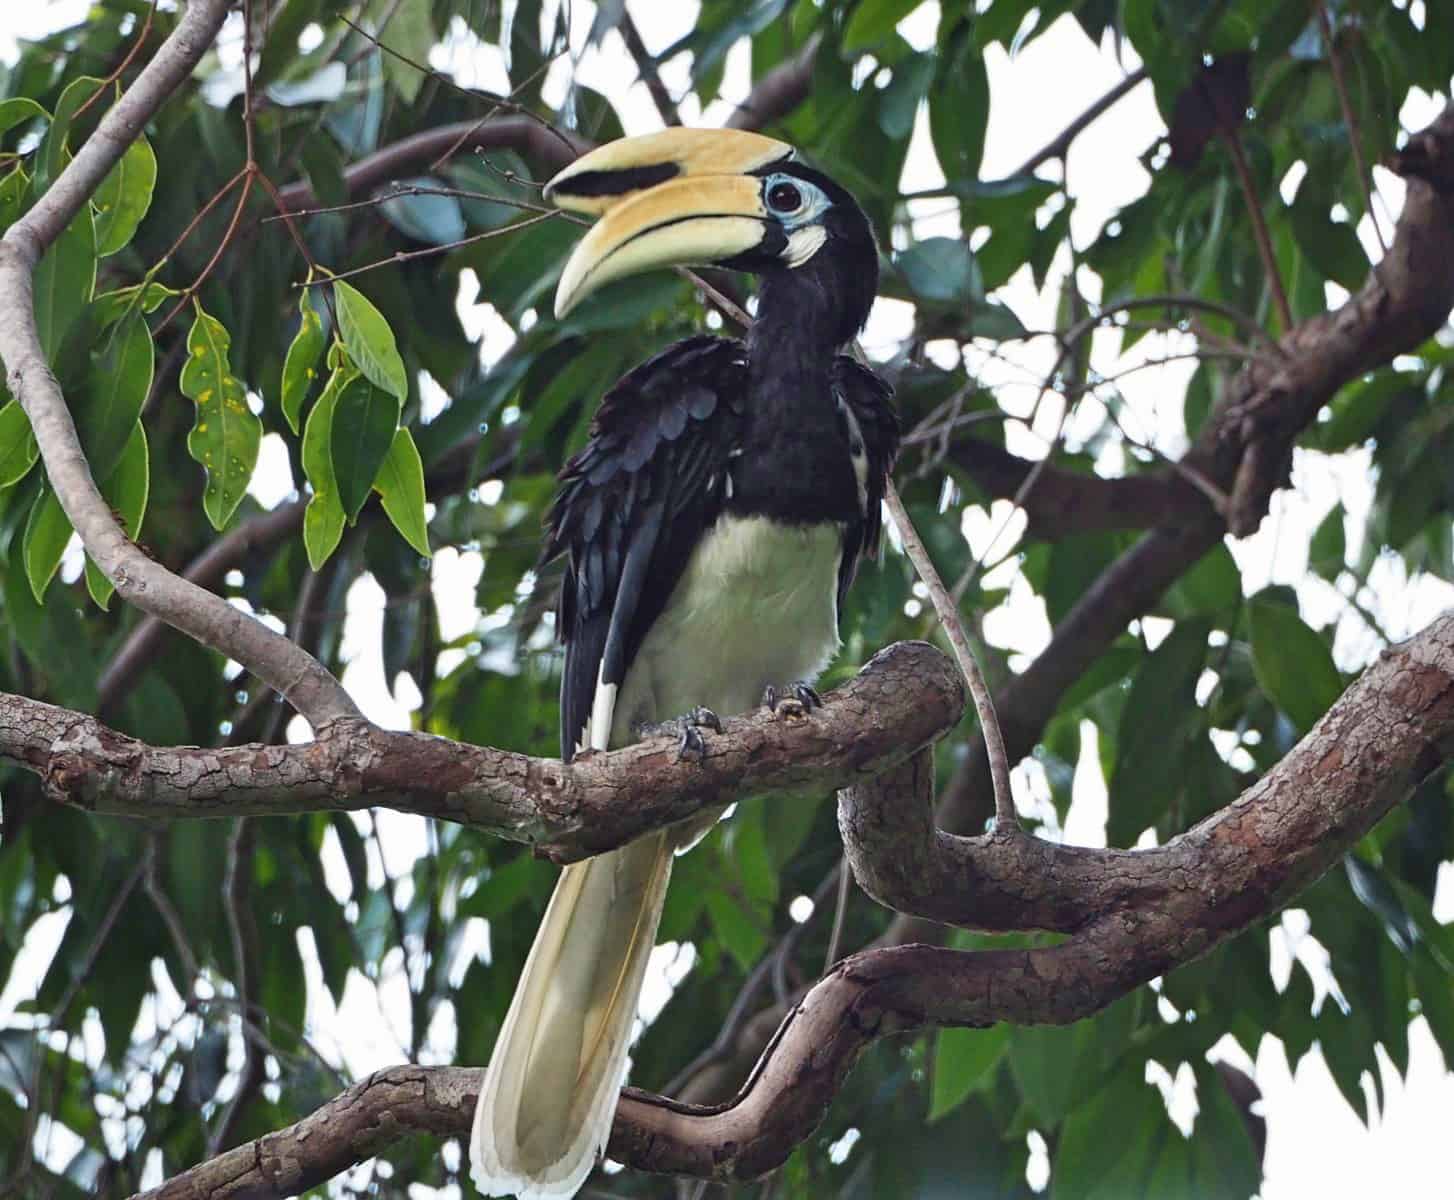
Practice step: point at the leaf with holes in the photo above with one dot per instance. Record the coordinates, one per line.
(323, 520)
(400, 484)
(369, 341)
(123, 197)
(126, 490)
(300, 368)
(227, 434)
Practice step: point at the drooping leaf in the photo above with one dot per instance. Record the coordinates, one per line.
(1292, 663)
(365, 418)
(125, 490)
(47, 531)
(55, 150)
(18, 449)
(324, 518)
(369, 341)
(300, 367)
(124, 196)
(64, 279)
(227, 433)
(115, 390)
(400, 484)
(962, 1058)
(17, 111)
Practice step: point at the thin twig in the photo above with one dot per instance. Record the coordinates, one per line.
(1340, 85)
(1259, 229)
(125, 62)
(984, 704)
(646, 69)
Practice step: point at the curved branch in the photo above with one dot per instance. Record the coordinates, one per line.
(904, 698)
(1388, 730)
(139, 580)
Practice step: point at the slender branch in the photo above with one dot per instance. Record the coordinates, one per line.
(1340, 85)
(138, 579)
(1259, 229)
(948, 614)
(666, 107)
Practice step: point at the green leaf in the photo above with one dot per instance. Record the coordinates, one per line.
(124, 197)
(13, 188)
(226, 435)
(874, 20)
(64, 280)
(110, 307)
(1293, 664)
(1160, 716)
(1329, 547)
(369, 341)
(410, 34)
(54, 151)
(1109, 1144)
(18, 450)
(741, 934)
(126, 490)
(400, 484)
(47, 531)
(364, 421)
(17, 111)
(300, 367)
(959, 106)
(116, 388)
(324, 518)
(941, 270)
(962, 1058)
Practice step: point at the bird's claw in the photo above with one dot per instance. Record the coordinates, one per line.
(687, 727)
(792, 702)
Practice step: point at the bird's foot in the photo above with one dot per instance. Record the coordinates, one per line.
(792, 702)
(688, 728)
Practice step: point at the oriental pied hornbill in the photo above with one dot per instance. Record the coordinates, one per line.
(711, 527)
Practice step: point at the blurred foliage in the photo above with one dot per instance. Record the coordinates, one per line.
(160, 924)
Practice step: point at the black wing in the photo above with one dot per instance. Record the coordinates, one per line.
(870, 400)
(633, 505)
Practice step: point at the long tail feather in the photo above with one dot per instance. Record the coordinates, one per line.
(550, 1091)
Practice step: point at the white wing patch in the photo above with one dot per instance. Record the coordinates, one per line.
(856, 451)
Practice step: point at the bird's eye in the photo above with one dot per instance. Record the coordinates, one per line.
(784, 198)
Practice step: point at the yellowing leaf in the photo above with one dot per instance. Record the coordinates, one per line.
(226, 435)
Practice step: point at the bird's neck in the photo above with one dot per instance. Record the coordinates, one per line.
(794, 465)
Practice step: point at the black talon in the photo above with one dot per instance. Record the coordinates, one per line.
(687, 727)
(795, 699)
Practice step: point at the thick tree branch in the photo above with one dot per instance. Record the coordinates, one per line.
(138, 579)
(1142, 913)
(904, 698)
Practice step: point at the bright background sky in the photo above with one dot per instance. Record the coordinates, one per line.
(1317, 1145)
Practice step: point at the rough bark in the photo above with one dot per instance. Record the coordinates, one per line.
(904, 698)
(1131, 915)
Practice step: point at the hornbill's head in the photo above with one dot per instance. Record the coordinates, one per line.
(720, 197)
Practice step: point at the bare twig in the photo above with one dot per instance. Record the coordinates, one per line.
(953, 627)
(1259, 229)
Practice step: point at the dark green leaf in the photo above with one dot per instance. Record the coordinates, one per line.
(18, 449)
(365, 419)
(962, 1059)
(125, 491)
(46, 533)
(1293, 664)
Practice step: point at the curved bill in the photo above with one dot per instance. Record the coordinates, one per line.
(683, 222)
(610, 174)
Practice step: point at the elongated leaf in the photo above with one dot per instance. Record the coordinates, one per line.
(364, 420)
(46, 533)
(116, 389)
(324, 518)
(54, 148)
(64, 280)
(124, 196)
(300, 367)
(369, 341)
(962, 1057)
(13, 188)
(126, 490)
(959, 105)
(18, 450)
(227, 433)
(400, 484)
(17, 111)
(410, 32)
(110, 307)
(1293, 664)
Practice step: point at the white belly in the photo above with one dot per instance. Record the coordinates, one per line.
(757, 604)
